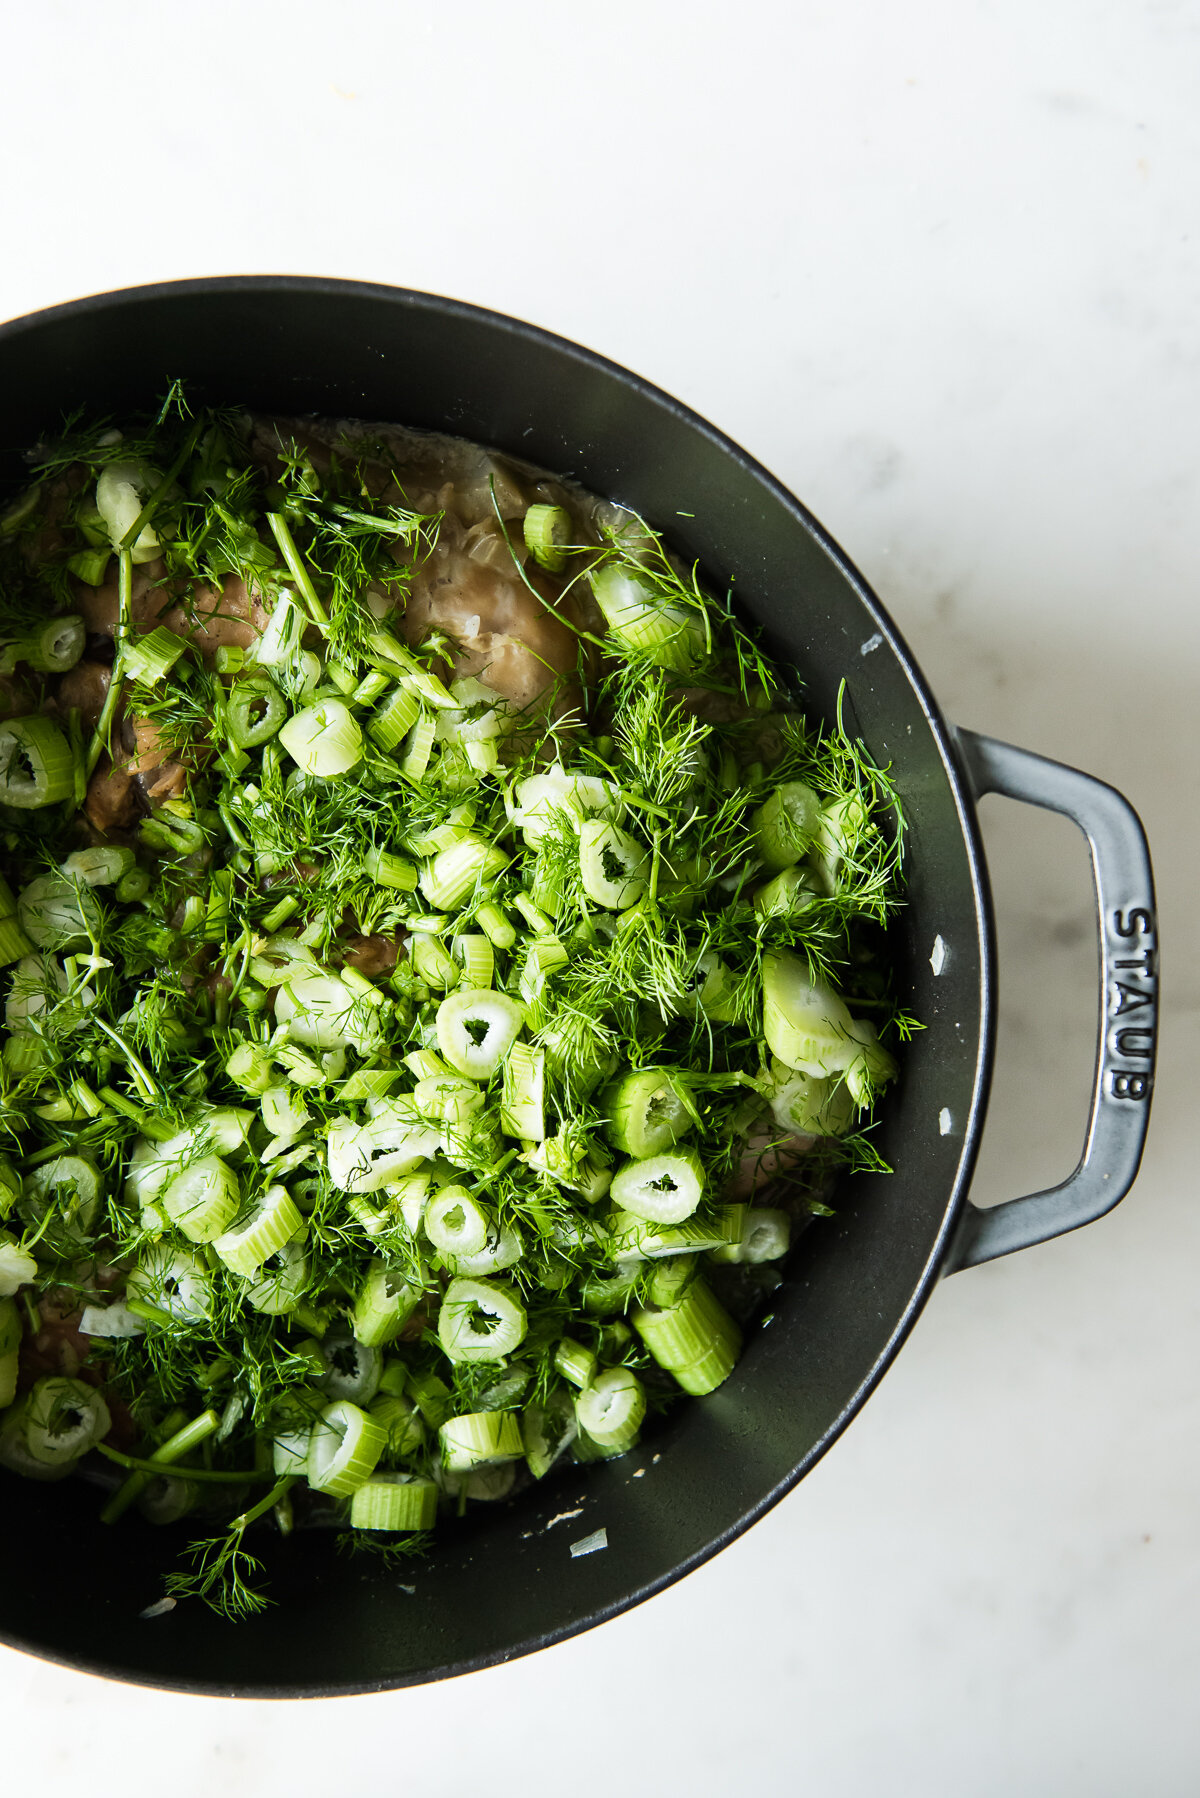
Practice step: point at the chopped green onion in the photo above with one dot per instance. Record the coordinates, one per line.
(403, 1422)
(394, 1501)
(204, 1199)
(480, 1437)
(36, 765)
(523, 1106)
(455, 872)
(666, 634)
(612, 1407)
(696, 1340)
(547, 1432)
(282, 1281)
(613, 864)
(665, 1189)
(385, 1302)
(344, 1448)
(456, 1223)
(324, 739)
(495, 926)
(255, 712)
(766, 1235)
(388, 870)
(805, 1023)
(90, 565)
(547, 532)
(250, 1068)
(63, 1418)
(391, 722)
(480, 1321)
(151, 658)
(477, 1029)
(271, 1222)
(418, 746)
(785, 825)
(575, 1361)
(646, 1112)
(431, 963)
(100, 867)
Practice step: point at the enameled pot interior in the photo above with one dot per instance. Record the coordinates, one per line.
(505, 1582)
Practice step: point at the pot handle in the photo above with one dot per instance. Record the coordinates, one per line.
(1125, 1049)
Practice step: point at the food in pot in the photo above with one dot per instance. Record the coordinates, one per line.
(445, 966)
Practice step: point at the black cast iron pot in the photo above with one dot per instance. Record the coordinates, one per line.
(72, 1590)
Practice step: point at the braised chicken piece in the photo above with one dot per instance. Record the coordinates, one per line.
(112, 800)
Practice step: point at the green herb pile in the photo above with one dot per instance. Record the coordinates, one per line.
(313, 1243)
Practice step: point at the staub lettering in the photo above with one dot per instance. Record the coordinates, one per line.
(1133, 987)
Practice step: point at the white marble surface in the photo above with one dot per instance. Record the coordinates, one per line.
(937, 266)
